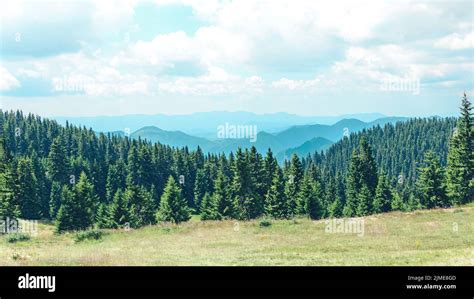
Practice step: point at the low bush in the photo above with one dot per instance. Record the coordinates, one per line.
(17, 237)
(265, 223)
(88, 235)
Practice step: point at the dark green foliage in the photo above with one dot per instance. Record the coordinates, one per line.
(431, 183)
(364, 198)
(77, 206)
(173, 207)
(17, 237)
(275, 200)
(397, 202)
(460, 169)
(335, 196)
(9, 204)
(208, 208)
(361, 181)
(119, 213)
(247, 201)
(265, 223)
(88, 235)
(67, 211)
(221, 199)
(293, 184)
(103, 218)
(30, 205)
(55, 199)
(58, 162)
(383, 195)
(140, 206)
(310, 198)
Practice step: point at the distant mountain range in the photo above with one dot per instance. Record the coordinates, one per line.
(204, 124)
(310, 146)
(302, 139)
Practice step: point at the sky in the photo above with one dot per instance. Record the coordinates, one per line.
(306, 57)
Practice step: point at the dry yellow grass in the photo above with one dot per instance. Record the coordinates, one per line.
(416, 238)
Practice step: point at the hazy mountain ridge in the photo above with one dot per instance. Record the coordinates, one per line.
(204, 124)
(314, 145)
(296, 139)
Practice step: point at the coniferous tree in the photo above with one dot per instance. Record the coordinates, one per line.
(84, 202)
(364, 199)
(275, 201)
(58, 162)
(173, 207)
(335, 192)
(208, 208)
(221, 197)
(294, 178)
(9, 205)
(310, 197)
(257, 180)
(103, 218)
(245, 206)
(116, 177)
(202, 184)
(383, 196)
(270, 165)
(147, 210)
(55, 199)
(30, 204)
(460, 169)
(431, 183)
(119, 210)
(353, 184)
(361, 181)
(397, 202)
(66, 216)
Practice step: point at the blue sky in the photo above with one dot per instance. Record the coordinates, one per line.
(82, 58)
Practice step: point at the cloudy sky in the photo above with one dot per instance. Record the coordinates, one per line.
(310, 57)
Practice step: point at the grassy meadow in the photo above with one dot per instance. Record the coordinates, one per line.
(428, 237)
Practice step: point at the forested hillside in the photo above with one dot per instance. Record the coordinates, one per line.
(80, 179)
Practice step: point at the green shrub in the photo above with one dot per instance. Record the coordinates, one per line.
(17, 237)
(88, 235)
(265, 223)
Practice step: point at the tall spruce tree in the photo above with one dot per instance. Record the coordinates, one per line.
(208, 208)
(30, 204)
(295, 175)
(85, 202)
(460, 169)
(362, 174)
(383, 195)
(9, 204)
(173, 207)
(275, 201)
(119, 212)
(67, 213)
(310, 198)
(58, 169)
(55, 199)
(431, 182)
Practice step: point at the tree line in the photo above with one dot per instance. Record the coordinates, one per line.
(79, 178)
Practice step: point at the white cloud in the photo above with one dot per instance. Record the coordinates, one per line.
(216, 82)
(296, 84)
(7, 80)
(456, 41)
